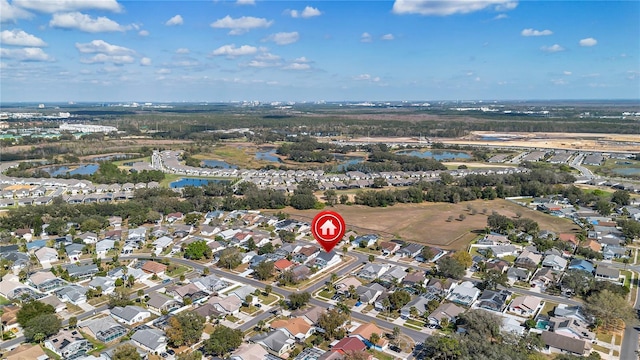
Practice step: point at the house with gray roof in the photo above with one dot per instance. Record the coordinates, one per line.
(210, 283)
(74, 294)
(104, 329)
(464, 294)
(152, 340)
(604, 272)
(419, 303)
(74, 251)
(242, 292)
(396, 273)
(68, 344)
(447, 311)
(129, 314)
(276, 342)
(368, 293)
(373, 271)
(108, 285)
(82, 271)
(160, 302)
(412, 250)
(103, 247)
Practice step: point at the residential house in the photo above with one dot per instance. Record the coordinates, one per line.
(103, 247)
(257, 260)
(555, 262)
(46, 281)
(130, 314)
(582, 265)
(373, 271)
(26, 352)
(227, 305)
(173, 217)
(498, 265)
(389, 248)
(464, 294)
(494, 239)
(500, 251)
(26, 234)
(210, 283)
(276, 342)
(183, 291)
(153, 267)
(516, 274)
(347, 345)
(365, 240)
(152, 340)
(159, 302)
(115, 221)
(282, 265)
(528, 259)
(326, 259)
(343, 286)
(545, 277)
(137, 235)
(604, 272)
(108, 285)
(412, 250)
(435, 254)
(248, 351)
(567, 311)
(9, 317)
(115, 235)
(310, 315)
(448, 311)
(571, 327)
(569, 238)
(46, 256)
(441, 287)
(297, 328)
(74, 294)
(68, 344)
(300, 272)
(557, 343)
(161, 243)
(364, 331)
(414, 278)
(395, 274)
(306, 253)
(526, 305)
(74, 252)
(208, 230)
(370, 292)
(593, 245)
(82, 271)
(493, 300)
(246, 257)
(104, 329)
(420, 304)
(614, 252)
(88, 237)
(242, 292)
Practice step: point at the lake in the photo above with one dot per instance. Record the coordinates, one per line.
(345, 161)
(627, 171)
(268, 156)
(80, 170)
(437, 155)
(218, 164)
(194, 182)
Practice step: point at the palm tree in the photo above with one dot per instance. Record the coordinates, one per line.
(374, 338)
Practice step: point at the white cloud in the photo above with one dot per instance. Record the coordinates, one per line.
(283, 38)
(387, 37)
(182, 51)
(233, 51)
(500, 17)
(145, 61)
(143, 33)
(366, 37)
(588, 42)
(306, 13)
(632, 75)
(84, 22)
(552, 49)
(297, 66)
(533, 32)
(558, 82)
(568, 73)
(163, 71)
(25, 54)
(176, 20)
(51, 6)
(445, 8)
(262, 64)
(101, 46)
(302, 60)
(104, 58)
(11, 13)
(366, 77)
(245, 2)
(266, 56)
(241, 25)
(20, 38)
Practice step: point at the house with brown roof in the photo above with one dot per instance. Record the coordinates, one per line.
(226, 305)
(296, 328)
(282, 265)
(448, 311)
(528, 259)
(310, 315)
(525, 305)
(389, 248)
(364, 331)
(342, 286)
(569, 238)
(9, 316)
(26, 352)
(153, 267)
(300, 272)
(593, 245)
(414, 278)
(557, 343)
(348, 345)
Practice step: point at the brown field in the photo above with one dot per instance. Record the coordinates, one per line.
(427, 222)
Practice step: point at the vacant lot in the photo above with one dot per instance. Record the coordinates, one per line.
(427, 222)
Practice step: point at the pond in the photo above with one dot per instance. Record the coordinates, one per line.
(268, 156)
(56, 170)
(194, 182)
(346, 161)
(437, 155)
(218, 164)
(85, 169)
(628, 171)
(113, 157)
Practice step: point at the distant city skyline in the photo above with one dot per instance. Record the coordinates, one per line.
(246, 50)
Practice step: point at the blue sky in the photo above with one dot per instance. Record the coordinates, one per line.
(108, 50)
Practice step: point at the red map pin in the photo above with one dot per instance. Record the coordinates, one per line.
(328, 228)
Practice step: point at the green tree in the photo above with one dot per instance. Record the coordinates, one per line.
(427, 254)
(374, 338)
(184, 328)
(197, 250)
(492, 278)
(371, 258)
(331, 322)
(330, 197)
(119, 282)
(441, 347)
(450, 267)
(268, 289)
(230, 258)
(126, 352)
(119, 297)
(463, 258)
(266, 249)
(195, 355)
(73, 322)
(192, 219)
(610, 308)
(31, 310)
(621, 198)
(299, 299)
(603, 207)
(222, 341)
(47, 324)
(264, 270)
(398, 299)
(344, 199)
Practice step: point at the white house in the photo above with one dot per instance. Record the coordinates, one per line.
(464, 294)
(525, 305)
(161, 243)
(46, 256)
(129, 314)
(555, 262)
(103, 247)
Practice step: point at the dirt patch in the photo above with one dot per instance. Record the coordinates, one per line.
(428, 223)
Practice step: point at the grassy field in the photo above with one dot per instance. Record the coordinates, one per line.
(243, 156)
(427, 222)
